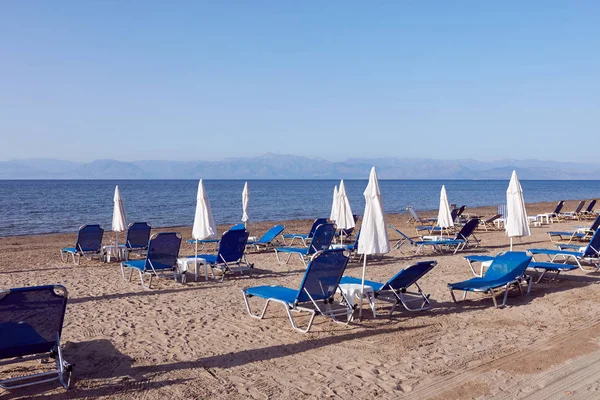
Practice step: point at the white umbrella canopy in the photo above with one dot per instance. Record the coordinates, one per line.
(119, 221)
(373, 234)
(333, 215)
(444, 219)
(245, 200)
(516, 221)
(344, 218)
(204, 223)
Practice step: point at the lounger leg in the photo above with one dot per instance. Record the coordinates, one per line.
(310, 322)
(465, 295)
(250, 310)
(288, 259)
(277, 255)
(302, 259)
(452, 294)
(493, 297)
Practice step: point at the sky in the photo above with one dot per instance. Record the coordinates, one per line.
(195, 80)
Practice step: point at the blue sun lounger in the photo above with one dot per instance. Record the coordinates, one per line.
(269, 239)
(589, 211)
(463, 238)
(204, 242)
(395, 289)
(506, 270)
(138, 235)
(581, 234)
(591, 253)
(88, 244)
(163, 249)
(31, 321)
(304, 238)
(540, 267)
(316, 292)
(321, 240)
(231, 254)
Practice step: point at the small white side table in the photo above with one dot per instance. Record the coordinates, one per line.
(350, 291)
(115, 251)
(184, 264)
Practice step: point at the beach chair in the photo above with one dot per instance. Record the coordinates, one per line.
(303, 237)
(414, 217)
(552, 216)
(457, 213)
(161, 257)
(589, 213)
(321, 240)
(351, 247)
(575, 214)
(590, 253)
(489, 222)
(231, 254)
(88, 244)
(540, 267)
(506, 270)
(215, 241)
(269, 239)
(463, 238)
(138, 235)
(581, 232)
(395, 290)
(315, 295)
(31, 321)
(403, 239)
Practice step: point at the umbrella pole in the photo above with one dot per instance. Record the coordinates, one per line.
(362, 287)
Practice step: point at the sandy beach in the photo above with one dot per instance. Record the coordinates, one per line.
(195, 340)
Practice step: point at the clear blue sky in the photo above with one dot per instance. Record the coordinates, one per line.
(84, 80)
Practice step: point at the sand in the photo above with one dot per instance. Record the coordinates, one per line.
(197, 341)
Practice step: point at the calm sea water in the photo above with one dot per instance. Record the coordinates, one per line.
(33, 207)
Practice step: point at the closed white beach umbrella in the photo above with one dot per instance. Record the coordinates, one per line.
(517, 224)
(245, 200)
(444, 219)
(373, 234)
(344, 218)
(119, 221)
(333, 214)
(204, 223)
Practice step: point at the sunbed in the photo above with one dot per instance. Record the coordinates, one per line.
(506, 270)
(581, 233)
(589, 213)
(590, 253)
(489, 222)
(230, 255)
(31, 321)
(395, 290)
(463, 238)
(161, 257)
(575, 214)
(269, 239)
(138, 235)
(321, 240)
(204, 242)
(552, 216)
(88, 244)
(402, 240)
(303, 237)
(316, 292)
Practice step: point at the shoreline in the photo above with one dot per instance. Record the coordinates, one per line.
(547, 206)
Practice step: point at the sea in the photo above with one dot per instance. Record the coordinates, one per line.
(30, 207)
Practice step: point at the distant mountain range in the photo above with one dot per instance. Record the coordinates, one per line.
(279, 166)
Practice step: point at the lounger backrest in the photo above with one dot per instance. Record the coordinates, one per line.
(323, 275)
(271, 234)
(559, 207)
(492, 218)
(460, 211)
(138, 235)
(232, 245)
(508, 266)
(318, 221)
(454, 214)
(595, 224)
(413, 214)
(467, 229)
(591, 206)
(593, 247)
(579, 207)
(322, 239)
(89, 238)
(402, 234)
(409, 275)
(237, 227)
(30, 319)
(163, 249)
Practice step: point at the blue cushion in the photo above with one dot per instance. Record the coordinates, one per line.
(69, 250)
(556, 252)
(478, 284)
(295, 235)
(137, 264)
(552, 266)
(350, 279)
(203, 241)
(303, 251)
(479, 258)
(440, 242)
(273, 292)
